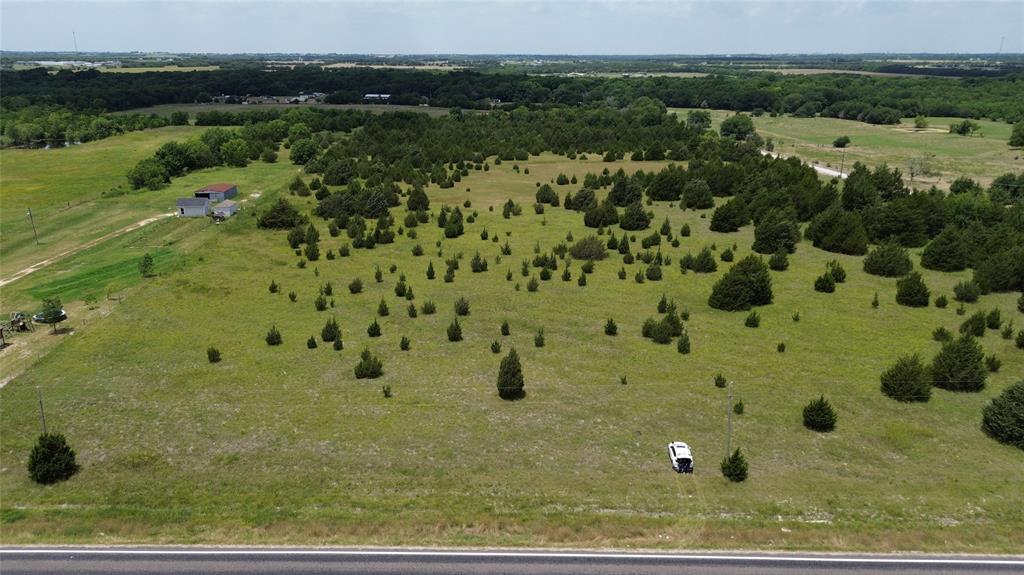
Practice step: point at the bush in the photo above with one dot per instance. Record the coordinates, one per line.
(274, 288)
(941, 334)
(720, 381)
(730, 216)
(888, 260)
(911, 291)
(781, 347)
(825, 283)
(505, 329)
(967, 291)
(538, 339)
(404, 344)
(273, 336)
(974, 325)
(428, 308)
(734, 467)
(311, 342)
(382, 308)
(653, 272)
(533, 284)
(510, 377)
(213, 354)
(373, 330)
(746, 284)
(355, 286)
(941, 302)
(369, 366)
(495, 346)
(411, 310)
(819, 415)
(726, 255)
(775, 232)
(455, 331)
(462, 306)
(779, 261)
(948, 252)
(331, 331)
(683, 343)
(589, 248)
(958, 366)
(994, 319)
(907, 380)
(1003, 418)
(51, 459)
(993, 363)
(836, 270)
(753, 320)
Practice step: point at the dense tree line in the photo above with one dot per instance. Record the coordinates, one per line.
(24, 125)
(871, 99)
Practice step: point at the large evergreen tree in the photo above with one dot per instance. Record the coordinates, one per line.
(959, 366)
(911, 291)
(908, 380)
(948, 252)
(746, 284)
(510, 377)
(776, 231)
(888, 260)
(1003, 418)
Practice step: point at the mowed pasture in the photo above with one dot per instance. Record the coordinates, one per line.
(284, 445)
(936, 156)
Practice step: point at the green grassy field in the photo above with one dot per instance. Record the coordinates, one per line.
(940, 157)
(284, 445)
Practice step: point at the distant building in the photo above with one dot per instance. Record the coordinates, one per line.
(217, 192)
(225, 209)
(377, 98)
(193, 207)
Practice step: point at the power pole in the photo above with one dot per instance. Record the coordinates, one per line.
(42, 413)
(842, 165)
(33, 222)
(728, 434)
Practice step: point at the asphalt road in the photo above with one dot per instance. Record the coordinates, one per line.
(279, 561)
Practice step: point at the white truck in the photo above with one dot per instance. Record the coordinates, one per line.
(680, 456)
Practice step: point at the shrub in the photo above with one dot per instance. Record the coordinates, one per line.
(587, 267)
(993, 320)
(683, 343)
(941, 334)
(730, 216)
(753, 320)
(369, 366)
(455, 331)
(819, 415)
(775, 232)
(653, 272)
(1003, 418)
(779, 261)
(405, 344)
(273, 336)
(495, 346)
(908, 380)
(331, 331)
(311, 342)
(948, 252)
(1019, 340)
(704, 262)
(538, 338)
(51, 459)
(958, 366)
(355, 286)
(746, 284)
(781, 347)
(411, 310)
(505, 329)
(462, 306)
(338, 345)
(510, 377)
(1007, 332)
(888, 260)
(835, 269)
(974, 325)
(382, 308)
(874, 301)
(720, 381)
(582, 280)
(993, 363)
(734, 467)
(967, 291)
(274, 288)
(589, 248)
(825, 283)
(373, 330)
(533, 284)
(428, 308)
(911, 291)
(941, 302)
(213, 354)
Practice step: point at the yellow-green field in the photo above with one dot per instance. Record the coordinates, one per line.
(284, 445)
(936, 156)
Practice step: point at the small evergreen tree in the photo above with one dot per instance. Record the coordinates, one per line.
(355, 286)
(967, 291)
(369, 366)
(404, 344)
(374, 329)
(311, 342)
(958, 366)
(462, 307)
(331, 331)
(510, 377)
(993, 319)
(51, 459)
(911, 291)
(974, 325)
(888, 260)
(274, 288)
(538, 339)
(146, 265)
(495, 346)
(746, 284)
(1003, 418)
(683, 343)
(273, 336)
(819, 415)
(753, 320)
(779, 261)
(455, 331)
(505, 328)
(428, 308)
(213, 354)
(835, 269)
(908, 380)
(734, 467)
(825, 283)
(382, 308)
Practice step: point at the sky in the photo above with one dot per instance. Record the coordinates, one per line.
(519, 27)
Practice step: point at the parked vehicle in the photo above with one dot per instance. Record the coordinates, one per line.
(680, 456)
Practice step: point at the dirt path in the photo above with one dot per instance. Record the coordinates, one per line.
(38, 266)
(820, 169)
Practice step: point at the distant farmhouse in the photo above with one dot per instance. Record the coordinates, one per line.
(217, 192)
(377, 98)
(203, 204)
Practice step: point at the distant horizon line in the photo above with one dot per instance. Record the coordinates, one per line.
(509, 54)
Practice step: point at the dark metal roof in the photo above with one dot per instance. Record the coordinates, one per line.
(192, 202)
(223, 187)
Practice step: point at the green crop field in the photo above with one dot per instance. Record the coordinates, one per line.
(284, 445)
(936, 156)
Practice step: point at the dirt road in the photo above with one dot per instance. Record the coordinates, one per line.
(40, 265)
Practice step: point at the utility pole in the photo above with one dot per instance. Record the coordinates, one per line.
(33, 222)
(842, 165)
(728, 434)
(42, 414)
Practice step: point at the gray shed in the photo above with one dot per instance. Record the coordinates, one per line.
(217, 192)
(225, 209)
(193, 207)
